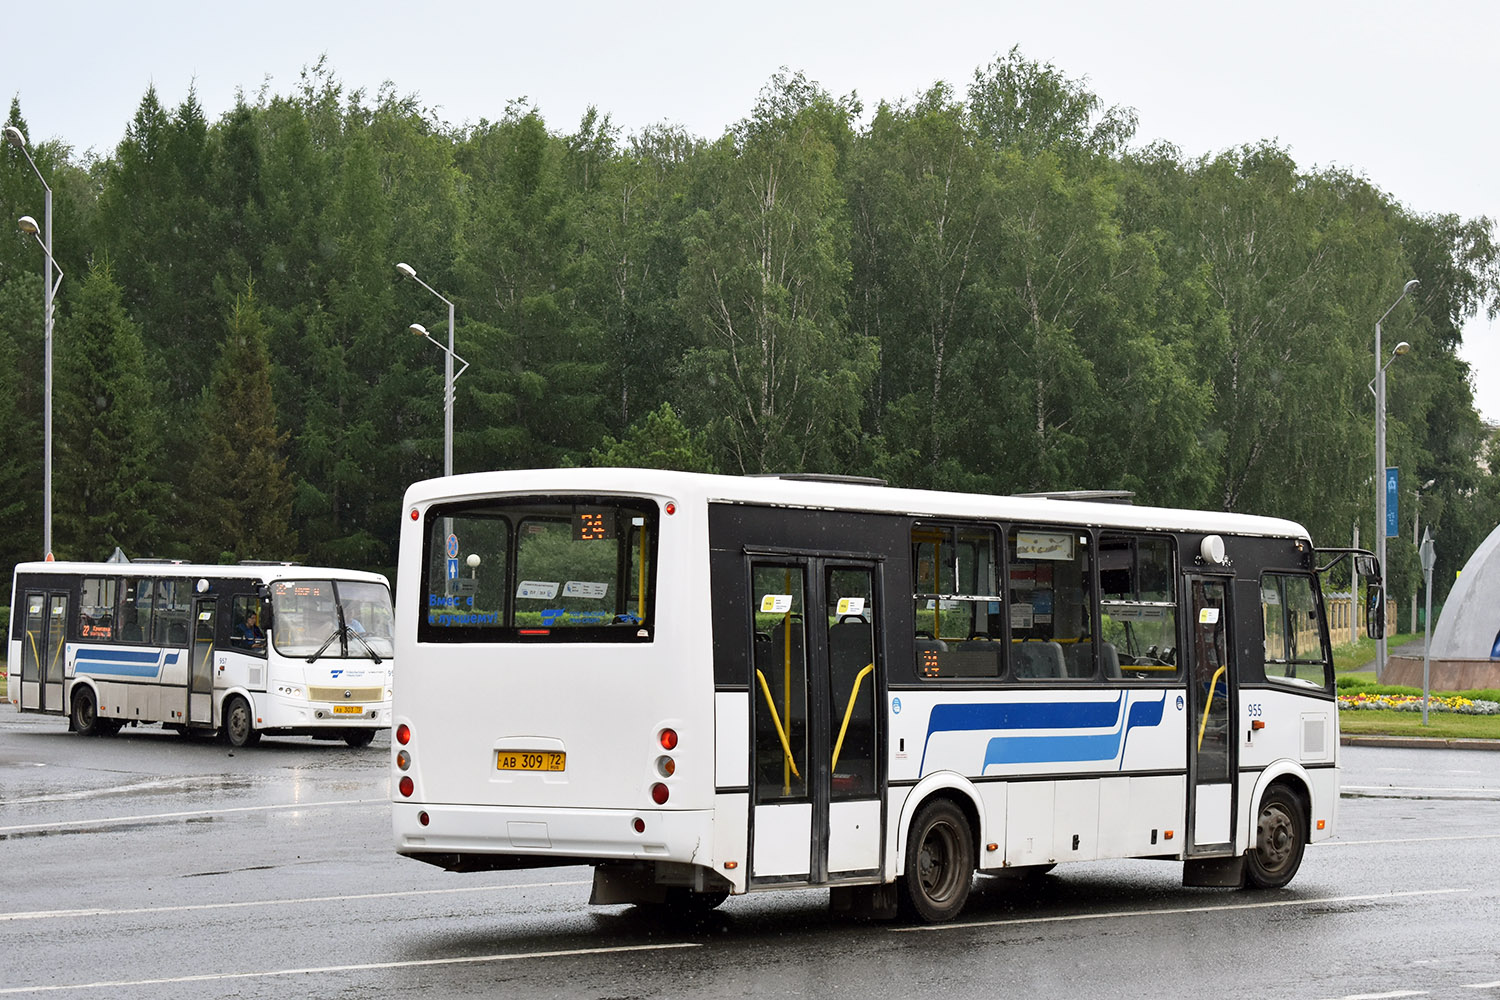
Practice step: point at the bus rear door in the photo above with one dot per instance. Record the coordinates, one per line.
(817, 742)
(43, 651)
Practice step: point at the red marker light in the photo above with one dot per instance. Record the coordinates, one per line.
(407, 786)
(671, 507)
(640, 825)
(414, 515)
(659, 793)
(669, 739)
(403, 734)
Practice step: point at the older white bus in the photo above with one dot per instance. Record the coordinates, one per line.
(705, 685)
(238, 651)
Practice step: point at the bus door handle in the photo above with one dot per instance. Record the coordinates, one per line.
(848, 713)
(786, 746)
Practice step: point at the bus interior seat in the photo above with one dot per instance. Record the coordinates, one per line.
(177, 634)
(1038, 659)
(1079, 659)
(1109, 660)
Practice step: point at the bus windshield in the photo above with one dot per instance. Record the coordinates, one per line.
(534, 569)
(324, 618)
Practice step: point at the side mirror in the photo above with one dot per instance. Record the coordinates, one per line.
(1375, 612)
(1367, 567)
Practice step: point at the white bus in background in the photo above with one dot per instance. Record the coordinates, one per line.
(239, 651)
(704, 686)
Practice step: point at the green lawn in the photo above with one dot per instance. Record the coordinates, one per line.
(1389, 722)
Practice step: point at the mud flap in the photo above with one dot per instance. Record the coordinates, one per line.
(1222, 873)
(872, 902)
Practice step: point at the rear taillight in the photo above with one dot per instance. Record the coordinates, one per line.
(407, 786)
(668, 739)
(403, 734)
(659, 793)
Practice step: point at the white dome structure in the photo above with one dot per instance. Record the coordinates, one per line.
(1465, 651)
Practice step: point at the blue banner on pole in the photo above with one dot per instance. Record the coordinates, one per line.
(1391, 520)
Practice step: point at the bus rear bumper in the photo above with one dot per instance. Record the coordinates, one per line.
(480, 838)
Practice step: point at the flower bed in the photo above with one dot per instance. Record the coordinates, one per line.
(1413, 703)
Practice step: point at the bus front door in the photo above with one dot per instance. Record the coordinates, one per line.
(200, 706)
(816, 771)
(43, 652)
(1213, 753)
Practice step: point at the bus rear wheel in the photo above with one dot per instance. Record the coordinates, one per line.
(1281, 835)
(86, 720)
(939, 863)
(239, 727)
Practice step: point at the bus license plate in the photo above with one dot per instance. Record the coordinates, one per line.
(525, 760)
(348, 710)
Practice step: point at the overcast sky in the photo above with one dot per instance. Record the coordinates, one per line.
(1399, 92)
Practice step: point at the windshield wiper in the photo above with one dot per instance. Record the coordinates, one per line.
(355, 635)
(345, 630)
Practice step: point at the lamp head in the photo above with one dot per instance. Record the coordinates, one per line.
(28, 225)
(418, 329)
(1413, 283)
(14, 137)
(1402, 348)
(407, 270)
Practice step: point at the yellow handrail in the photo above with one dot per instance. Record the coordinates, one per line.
(1207, 705)
(786, 746)
(848, 713)
(35, 655)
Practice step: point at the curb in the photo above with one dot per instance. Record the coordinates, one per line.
(1419, 742)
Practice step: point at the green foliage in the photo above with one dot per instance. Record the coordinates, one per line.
(108, 488)
(661, 441)
(985, 289)
(241, 494)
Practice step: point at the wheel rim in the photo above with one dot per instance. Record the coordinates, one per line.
(936, 863)
(1277, 840)
(239, 723)
(83, 715)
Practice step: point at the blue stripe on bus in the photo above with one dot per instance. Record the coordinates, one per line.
(119, 662)
(1058, 747)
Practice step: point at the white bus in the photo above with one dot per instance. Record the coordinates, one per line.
(238, 651)
(704, 685)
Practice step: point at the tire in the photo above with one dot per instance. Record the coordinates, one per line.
(85, 714)
(939, 863)
(358, 737)
(1281, 836)
(239, 725)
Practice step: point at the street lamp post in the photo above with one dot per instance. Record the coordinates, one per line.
(1379, 388)
(449, 377)
(44, 237)
(1416, 520)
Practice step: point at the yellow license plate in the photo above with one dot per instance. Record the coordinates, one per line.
(348, 710)
(531, 760)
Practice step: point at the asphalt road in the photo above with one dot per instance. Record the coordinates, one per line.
(145, 865)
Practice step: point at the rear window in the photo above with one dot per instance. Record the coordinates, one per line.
(538, 569)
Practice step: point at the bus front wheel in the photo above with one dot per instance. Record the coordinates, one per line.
(239, 727)
(939, 863)
(358, 737)
(1280, 836)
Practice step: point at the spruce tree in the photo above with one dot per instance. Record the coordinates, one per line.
(107, 487)
(240, 490)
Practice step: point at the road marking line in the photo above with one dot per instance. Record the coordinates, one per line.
(1384, 996)
(188, 907)
(156, 817)
(1418, 788)
(1406, 840)
(1176, 911)
(365, 967)
(1481, 986)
